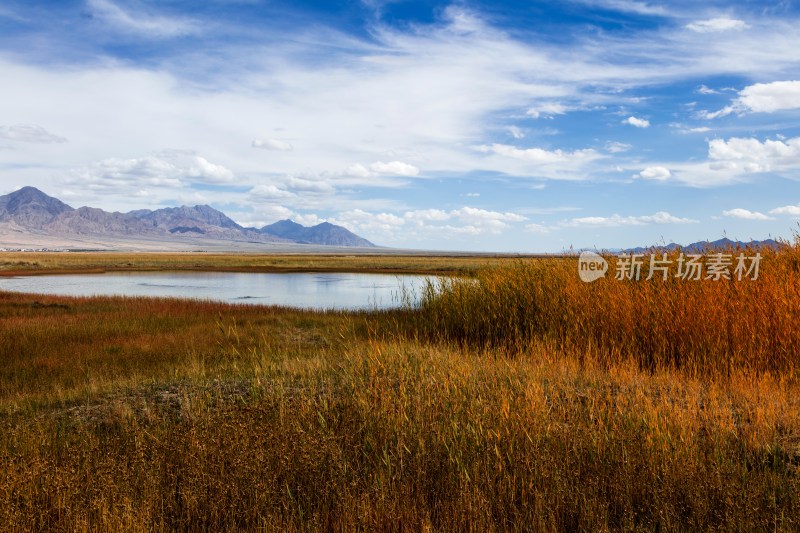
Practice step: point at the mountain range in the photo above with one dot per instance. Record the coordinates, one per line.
(700, 247)
(30, 211)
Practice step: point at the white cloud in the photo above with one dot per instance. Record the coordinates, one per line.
(362, 100)
(357, 170)
(791, 210)
(539, 155)
(377, 174)
(318, 186)
(203, 170)
(30, 133)
(762, 98)
(118, 176)
(685, 129)
(615, 147)
(422, 216)
(476, 216)
(724, 112)
(655, 173)
(746, 214)
(464, 221)
(364, 222)
(516, 132)
(717, 25)
(272, 144)
(547, 110)
(147, 24)
(706, 90)
(394, 168)
(770, 97)
(270, 192)
(627, 6)
(661, 217)
(736, 159)
(268, 214)
(169, 170)
(751, 155)
(537, 228)
(637, 122)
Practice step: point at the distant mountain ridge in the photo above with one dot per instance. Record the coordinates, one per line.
(699, 247)
(705, 246)
(324, 233)
(29, 209)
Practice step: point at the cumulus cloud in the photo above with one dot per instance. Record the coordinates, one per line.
(120, 175)
(368, 223)
(474, 218)
(736, 159)
(166, 170)
(272, 144)
(615, 220)
(357, 170)
(706, 90)
(770, 97)
(202, 170)
(319, 186)
(791, 210)
(394, 168)
(717, 25)
(268, 214)
(637, 122)
(761, 98)
(752, 155)
(655, 173)
(29, 133)
(538, 155)
(464, 221)
(270, 192)
(422, 216)
(746, 214)
(475, 215)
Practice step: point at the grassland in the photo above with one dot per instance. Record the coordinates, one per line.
(13, 263)
(525, 401)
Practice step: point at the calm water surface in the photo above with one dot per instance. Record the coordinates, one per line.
(303, 290)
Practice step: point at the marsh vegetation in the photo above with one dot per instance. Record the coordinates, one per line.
(525, 400)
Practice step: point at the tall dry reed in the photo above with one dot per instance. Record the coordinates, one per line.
(702, 326)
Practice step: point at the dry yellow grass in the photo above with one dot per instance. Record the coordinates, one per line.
(701, 326)
(505, 404)
(54, 262)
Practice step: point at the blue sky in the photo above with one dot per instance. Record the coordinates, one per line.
(494, 126)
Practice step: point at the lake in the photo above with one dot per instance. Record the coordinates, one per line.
(301, 290)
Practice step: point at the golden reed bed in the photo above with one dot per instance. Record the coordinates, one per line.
(527, 400)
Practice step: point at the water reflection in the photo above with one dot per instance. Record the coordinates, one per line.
(303, 290)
